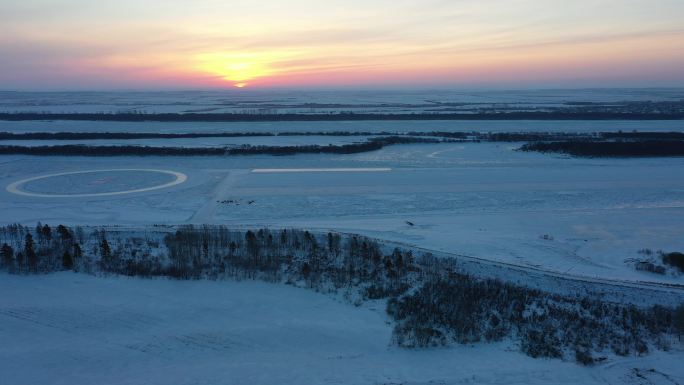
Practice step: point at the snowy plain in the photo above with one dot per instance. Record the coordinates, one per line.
(574, 126)
(568, 215)
(98, 330)
(575, 217)
(323, 101)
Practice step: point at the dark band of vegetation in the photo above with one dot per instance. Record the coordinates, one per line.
(431, 300)
(122, 135)
(158, 135)
(84, 150)
(471, 135)
(637, 148)
(597, 144)
(344, 116)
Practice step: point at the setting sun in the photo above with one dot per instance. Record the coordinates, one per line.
(239, 68)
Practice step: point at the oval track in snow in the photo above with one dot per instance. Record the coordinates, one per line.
(15, 188)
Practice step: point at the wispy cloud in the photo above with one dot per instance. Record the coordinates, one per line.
(400, 41)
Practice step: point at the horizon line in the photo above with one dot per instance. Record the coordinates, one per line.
(337, 89)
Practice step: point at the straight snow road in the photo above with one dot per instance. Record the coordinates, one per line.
(207, 212)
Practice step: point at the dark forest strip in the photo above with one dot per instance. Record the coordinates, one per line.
(123, 135)
(239, 117)
(610, 149)
(463, 135)
(158, 135)
(85, 150)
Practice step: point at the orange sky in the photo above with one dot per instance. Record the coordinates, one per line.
(300, 43)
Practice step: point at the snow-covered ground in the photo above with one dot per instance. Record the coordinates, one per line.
(68, 328)
(349, 126)
(550, 216)
(322, 101)
(568, 215)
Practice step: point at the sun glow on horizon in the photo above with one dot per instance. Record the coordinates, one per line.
(352, 43)
(239, 68)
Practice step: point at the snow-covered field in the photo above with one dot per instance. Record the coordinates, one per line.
(321, 101)
(349, 126)
(68, 328)
(553, 222)
(568, 215)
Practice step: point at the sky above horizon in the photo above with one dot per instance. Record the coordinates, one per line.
(174, 44)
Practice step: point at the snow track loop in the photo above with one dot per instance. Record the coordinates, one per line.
(16, 187)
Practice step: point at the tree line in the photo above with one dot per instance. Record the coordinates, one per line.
(124, 135)
(568, 114)
(472, 135)
(521, 136)
(87, 150)
(632, 148)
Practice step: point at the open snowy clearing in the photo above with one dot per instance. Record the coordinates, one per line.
(87, 330)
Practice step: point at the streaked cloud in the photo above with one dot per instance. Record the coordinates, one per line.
(302, 43)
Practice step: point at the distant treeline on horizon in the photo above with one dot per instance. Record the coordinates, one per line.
(460, 135)
(594, 145)
(341, 116)
(86, 150)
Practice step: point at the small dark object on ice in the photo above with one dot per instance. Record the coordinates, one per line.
(409, 223)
